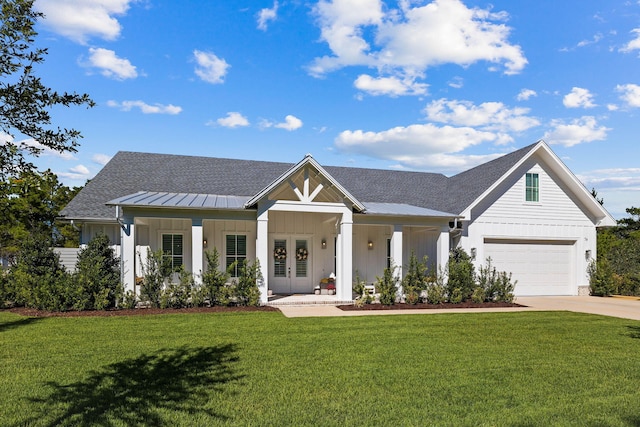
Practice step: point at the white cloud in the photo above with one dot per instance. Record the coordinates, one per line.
(79, 172)
(618, 187)
(79, 20)
(456, 82)
(630, 94)
(596, 38)
(488, 116)
(146, 108)
(584, 129)
(32, 143)
(290, 123)
(101, 159)
(369, 33)
(267, 15)
(392, 86)
(232, 120)
(111, 66)
(525, 94)
(633, 44)
(418, 145)
(210, 68)
(578, 97)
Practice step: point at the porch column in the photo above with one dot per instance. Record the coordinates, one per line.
(262, 253)
(128, 255)
(197, 250)
(396, 252)
(443, 247)
(344, 256)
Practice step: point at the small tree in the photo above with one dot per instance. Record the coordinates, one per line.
(246, 288)
(461, 281)
(155, 271)
(39, 279)
(97, 276)
(387, 286)
(179, 295)
(600, 277)
(214, 280)
(414, 281)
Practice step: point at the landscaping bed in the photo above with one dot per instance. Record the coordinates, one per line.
(32, 312)
(403, 306)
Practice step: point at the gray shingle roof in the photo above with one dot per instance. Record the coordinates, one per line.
(131, 172)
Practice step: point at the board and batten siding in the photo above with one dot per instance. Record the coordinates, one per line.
(505, 214)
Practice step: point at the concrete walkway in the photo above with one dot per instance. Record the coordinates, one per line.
(626, 308)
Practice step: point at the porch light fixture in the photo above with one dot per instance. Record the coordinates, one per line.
(204, 243)
(370, 245)
(474, 252)
(324, 243)
(587, 254)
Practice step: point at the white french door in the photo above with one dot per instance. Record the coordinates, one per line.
(290, 270)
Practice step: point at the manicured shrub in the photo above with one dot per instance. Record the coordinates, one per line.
(38, 278)
(155, 270)
(414, 282)
(214, 289)
(7, 290)
(504, 288)
(361, 297)
(461, 275)
(97, 277)
(387, 286)
(246, 290)
(600, 277)
(178, 295)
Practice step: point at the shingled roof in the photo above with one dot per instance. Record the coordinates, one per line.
(131, 172)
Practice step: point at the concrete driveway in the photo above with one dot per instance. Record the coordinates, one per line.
(623, 307)
(626, 308)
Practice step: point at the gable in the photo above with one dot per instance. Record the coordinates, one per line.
(306, 185)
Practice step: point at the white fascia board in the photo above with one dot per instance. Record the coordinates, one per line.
(557, 165)
(308, 160)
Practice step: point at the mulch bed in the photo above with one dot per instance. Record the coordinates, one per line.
(402, 306)
(30, 312)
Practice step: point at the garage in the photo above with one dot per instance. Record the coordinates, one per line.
(540, 267)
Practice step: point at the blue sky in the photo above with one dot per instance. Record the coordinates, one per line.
(439, 86)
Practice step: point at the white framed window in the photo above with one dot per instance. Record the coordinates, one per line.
(532, 187)
(173, 249)
(235, 251)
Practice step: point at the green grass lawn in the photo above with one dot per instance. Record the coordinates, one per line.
(524, 369)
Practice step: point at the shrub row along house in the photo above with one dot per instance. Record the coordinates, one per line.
(307, 222)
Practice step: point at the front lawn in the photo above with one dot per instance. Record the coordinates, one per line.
(528, 368)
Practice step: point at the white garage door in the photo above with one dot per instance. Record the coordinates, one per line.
(540, 267)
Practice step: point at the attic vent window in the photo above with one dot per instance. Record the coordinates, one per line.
(532, 188)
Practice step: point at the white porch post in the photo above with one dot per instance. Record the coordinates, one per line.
(396, 252)
(443, 247)
(128, 241)
(345, 257)
(262, 252)
(197, 257)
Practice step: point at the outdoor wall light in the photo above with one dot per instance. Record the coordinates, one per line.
(370, 245)
(324, 243)
(473, 253)
(587, 254)
(204, 243)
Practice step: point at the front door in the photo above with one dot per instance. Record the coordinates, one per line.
(291, 265)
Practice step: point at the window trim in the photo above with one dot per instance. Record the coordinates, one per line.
(532, 191)
(246, 249)
(171, 254)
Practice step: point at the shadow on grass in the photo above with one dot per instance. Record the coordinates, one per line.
(5, 326)
(136, 391)
(634, 331)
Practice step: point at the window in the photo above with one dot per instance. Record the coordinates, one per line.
(532, 188)
(172, 249)
(236, 251)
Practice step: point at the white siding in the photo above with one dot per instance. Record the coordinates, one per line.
(556, 217)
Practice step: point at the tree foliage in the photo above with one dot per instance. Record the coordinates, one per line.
(30, 204)
(25, 101)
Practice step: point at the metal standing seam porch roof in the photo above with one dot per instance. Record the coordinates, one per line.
(212, 201)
